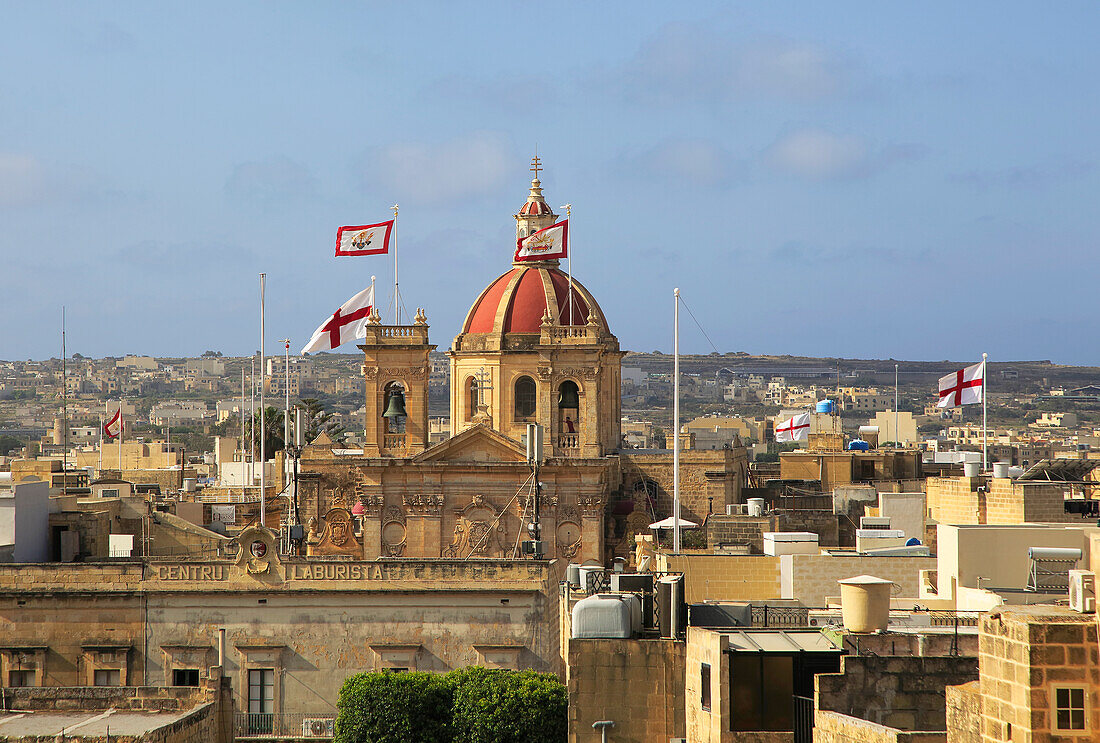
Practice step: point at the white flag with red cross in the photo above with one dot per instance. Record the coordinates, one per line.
(345, 324)
(793, 429)
(548, 243)
(111, 428)
(364, 239)
(964, 387)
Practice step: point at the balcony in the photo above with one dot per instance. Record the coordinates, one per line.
(310, 726)
(394, 443)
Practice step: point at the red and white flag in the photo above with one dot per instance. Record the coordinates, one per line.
(964, 387)
(364, 239)
(793, 429)
(343, 325)
(546, 244)
(113, 427)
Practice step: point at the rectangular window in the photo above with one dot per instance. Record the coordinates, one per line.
(704, 685)
(108, 493)
(108, 677)
(261, 701)
(1069, 708)
(185, 677)
(20, 678)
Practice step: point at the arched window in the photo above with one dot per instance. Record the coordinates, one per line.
(525, 398)
(471, 398)
(569, 407)
(393, 424)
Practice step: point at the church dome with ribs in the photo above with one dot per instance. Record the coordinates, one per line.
(517, 301)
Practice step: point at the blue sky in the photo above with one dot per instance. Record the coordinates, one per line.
(853, 179)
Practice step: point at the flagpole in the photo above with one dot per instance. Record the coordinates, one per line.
(569, 263)
(676, 422)
(252, 425)
(263, 422)
(897, 436)
(121, 434)
(396, 292)
(64, 411)
(244, 469)
(100, 469)
(985, 428)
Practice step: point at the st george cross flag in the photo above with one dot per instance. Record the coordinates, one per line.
(963, 387)
(364, 239)
(345, 324)
(546, 244)
(793, 429)
(111, 427)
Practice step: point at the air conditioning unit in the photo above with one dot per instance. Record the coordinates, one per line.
(318, 727)
(1082, 591)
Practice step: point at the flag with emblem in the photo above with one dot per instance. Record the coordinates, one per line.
(548, 243)
(964, 387)
(111, 427)
(793, 429)
(345, 324)
(364, 239)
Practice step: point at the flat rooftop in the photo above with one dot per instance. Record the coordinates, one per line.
(93, 724)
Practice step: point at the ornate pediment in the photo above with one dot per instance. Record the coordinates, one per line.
(476, 444)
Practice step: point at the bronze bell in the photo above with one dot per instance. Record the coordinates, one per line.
(567, 397)
(395, 408)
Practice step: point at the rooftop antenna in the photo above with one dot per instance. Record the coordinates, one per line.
(64, 411)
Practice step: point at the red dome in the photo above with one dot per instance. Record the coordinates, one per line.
(517, 301)
(535, 208)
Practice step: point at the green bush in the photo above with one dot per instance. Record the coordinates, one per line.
(394, 708)
(497, 706)
(472, 705)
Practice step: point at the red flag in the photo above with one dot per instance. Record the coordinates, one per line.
(107, 426)
(364, 239)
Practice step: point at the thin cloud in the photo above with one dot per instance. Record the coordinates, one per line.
(1024, 177)
(683, 161)
(272, 182)
(465, 167)
(23, 180)
(819, 155)
(688, 63)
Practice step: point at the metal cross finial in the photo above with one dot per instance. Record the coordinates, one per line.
(535, 163)
(394, 208)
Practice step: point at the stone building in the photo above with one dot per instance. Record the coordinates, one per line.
(535, 347)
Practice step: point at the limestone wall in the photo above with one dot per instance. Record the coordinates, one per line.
(906, 693)
(812, 578)
(315, 622)
(833, 727)
(964, 713)
(725, 577)
(1025, 654)
(639, 684)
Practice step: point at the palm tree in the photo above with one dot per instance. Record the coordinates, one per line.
(272, 428)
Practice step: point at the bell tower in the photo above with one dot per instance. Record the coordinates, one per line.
(395, 376)
(535, 214)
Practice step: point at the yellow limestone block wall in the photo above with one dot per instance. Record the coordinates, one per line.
(725, 577)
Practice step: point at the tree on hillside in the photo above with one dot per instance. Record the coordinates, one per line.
(272, 427)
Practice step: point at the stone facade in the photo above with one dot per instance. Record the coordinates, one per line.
(986, 500)
(313, 621)
(906, 693)
(638, 684)
(1027, 657)
(813, 578)
(725, 577)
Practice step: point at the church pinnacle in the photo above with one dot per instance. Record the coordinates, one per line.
(536, 213)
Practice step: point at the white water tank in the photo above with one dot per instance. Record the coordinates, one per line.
(1001, 469)
(606, 615)
(573, 574)
(755, 506)
(972, 469)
